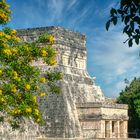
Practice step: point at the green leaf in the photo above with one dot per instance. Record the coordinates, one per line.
(114, 19)
(132, 25)
(136, 18)
(107, 25)
(1, 119)
(7, 30)
(113, 11)
(126, 20)
(129, 32)
(137, 39)
(125, 29)
(123, 3)
(120, 11)
(130, 43)
(137, 31)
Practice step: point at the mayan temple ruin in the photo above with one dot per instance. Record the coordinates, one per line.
(81, 111)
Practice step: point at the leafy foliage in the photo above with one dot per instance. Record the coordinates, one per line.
(46, 38)
(129, 14)
(131, 96)
(20, 81)
(4, 12)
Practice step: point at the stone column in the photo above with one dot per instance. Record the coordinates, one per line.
(123, 129)
(117, 129)
(102, 129)
(108, 129)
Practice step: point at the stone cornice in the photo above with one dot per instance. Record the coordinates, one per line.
(101, 105)
(63, 36)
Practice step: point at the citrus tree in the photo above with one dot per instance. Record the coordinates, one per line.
(20, 81)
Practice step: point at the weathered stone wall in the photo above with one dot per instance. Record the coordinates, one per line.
(30, 132)
(71, 61)
(100, 120)
(111, 113)
(102, 111)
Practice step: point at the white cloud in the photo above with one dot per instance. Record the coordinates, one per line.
(114, 59)
(72, 4)
(113, 54)
(50, 12)
(55, 8)
(105, 12)
(116, 88)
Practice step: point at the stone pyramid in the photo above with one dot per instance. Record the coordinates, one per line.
(80, 110)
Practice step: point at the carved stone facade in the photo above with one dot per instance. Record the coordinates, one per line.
(100, 120)
(81, 110)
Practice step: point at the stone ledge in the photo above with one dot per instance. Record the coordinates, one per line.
(50, 28)
(102, 117)
(87, 139)
(61, 139)
(101, 105)
(63, 36)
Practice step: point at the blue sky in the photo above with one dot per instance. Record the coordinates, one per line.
(109, 59)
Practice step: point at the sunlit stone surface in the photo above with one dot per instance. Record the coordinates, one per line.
(81, 110)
